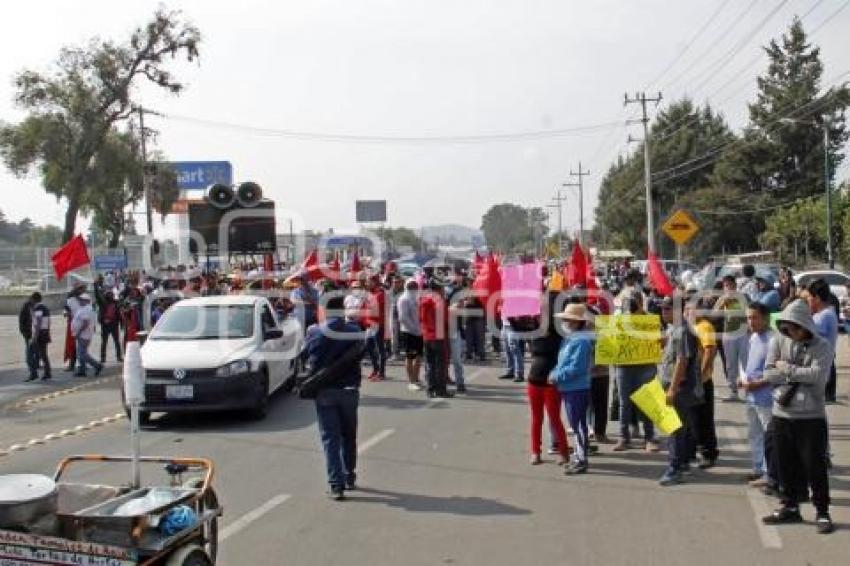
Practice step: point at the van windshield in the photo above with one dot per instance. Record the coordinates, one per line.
(210, 322)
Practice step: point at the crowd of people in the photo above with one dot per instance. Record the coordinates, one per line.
(776, 344)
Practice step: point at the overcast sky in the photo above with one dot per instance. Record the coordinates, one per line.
(413, 69)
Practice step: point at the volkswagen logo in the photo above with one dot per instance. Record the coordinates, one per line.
(179, 374)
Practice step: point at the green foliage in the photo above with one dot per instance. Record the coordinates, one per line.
(72, 109)
(512, 228)
(25, 233)
(401, 236)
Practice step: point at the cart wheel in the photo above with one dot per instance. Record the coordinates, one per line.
(210, 529)
(189, 555)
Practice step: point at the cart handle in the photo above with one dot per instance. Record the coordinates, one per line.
(203, 463)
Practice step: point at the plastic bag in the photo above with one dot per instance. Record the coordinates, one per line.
(650, 399)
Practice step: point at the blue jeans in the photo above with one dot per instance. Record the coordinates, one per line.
(629, 380)
(457, 358)
(516, 353)
(31, 357)
(758, 418)
(83, 357)
(336, 410)
(576, 403)
(680, 444)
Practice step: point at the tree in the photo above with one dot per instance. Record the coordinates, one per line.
(510, 227)
(682, 136)
(782, 153)
(73, 109)
(395, 237)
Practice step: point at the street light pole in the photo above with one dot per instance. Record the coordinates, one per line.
(826, 180)
(559, 199)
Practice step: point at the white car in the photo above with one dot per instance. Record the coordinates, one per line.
(219, 353)
(836, 280)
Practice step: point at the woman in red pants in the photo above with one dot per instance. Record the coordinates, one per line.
(542, 395)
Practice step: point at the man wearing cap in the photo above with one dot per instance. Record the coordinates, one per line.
(797, 365)
(766, 294)
(82, 327)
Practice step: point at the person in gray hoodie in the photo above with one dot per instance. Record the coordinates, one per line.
(798, 365)
(411, 332)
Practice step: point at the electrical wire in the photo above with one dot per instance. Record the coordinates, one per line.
(370, 138)
(690, 43)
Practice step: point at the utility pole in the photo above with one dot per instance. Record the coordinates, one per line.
(559, 198)
(581, 173)
(641, 98)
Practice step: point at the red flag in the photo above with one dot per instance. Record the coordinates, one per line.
(334, 268)
(577, 268)
(70, 256)
(488, 281)
(477, 262)
(311, 260)
(657, 276)
(355, 264)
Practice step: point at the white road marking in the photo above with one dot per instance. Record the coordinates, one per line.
(370, 442)
(768, 534)
(245, 520)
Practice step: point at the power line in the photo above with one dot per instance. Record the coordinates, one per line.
(833, 15)
(371, 138)
(690, 43)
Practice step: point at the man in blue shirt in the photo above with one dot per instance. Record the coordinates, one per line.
(337, 402)
(826, 320)
(759, 391)
(767, 294)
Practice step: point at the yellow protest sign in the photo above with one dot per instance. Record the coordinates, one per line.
(628, 339)
(651, 399)
(556, 282)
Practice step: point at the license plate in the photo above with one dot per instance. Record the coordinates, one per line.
(179, 392)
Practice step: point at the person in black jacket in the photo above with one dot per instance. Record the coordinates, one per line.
(40, 335)
(542, 394)
(25, 328)
(337, 401)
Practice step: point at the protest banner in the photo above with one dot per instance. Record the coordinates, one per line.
(651, 399)
(521, 287)
(628, 339)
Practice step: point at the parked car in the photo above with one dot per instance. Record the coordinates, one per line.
(219, 353)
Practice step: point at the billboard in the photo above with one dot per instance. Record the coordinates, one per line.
(252, 230)
(371, 211)
(198, 175)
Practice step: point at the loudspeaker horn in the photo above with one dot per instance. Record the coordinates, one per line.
(249, 194)
(221, 196)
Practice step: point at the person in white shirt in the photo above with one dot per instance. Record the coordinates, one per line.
(82, 327)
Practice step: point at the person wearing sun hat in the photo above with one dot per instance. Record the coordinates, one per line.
(572, 377)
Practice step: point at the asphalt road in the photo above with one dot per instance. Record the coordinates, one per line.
(442, 482)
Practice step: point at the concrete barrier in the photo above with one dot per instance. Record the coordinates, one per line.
(11, 304)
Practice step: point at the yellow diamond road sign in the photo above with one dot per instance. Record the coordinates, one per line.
(680, 227)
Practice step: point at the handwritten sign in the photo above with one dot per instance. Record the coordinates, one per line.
(628, 339)
(21, 548)
(521, 286)
(650, 399)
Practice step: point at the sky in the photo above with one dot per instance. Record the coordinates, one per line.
(473, 103)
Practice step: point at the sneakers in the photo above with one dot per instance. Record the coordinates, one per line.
(759, 482)
(753, 476)
(414, 387)
(460, 389)
(824, 525)
(670, 477)
(707, 463)
(621, 446)
(518, 379)
(97, 370)
(652, 446)
(783, 516)
(535, 460)
(337, 493)
(507, 376)
(553, 450)
(31, 378)
(576, 468)
(351, 482)
(374, 376)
